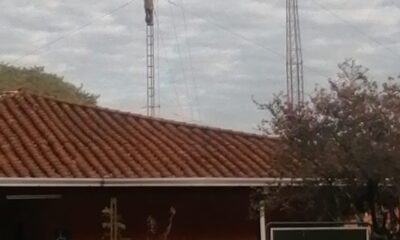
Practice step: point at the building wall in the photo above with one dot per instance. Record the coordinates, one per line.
(201, 213)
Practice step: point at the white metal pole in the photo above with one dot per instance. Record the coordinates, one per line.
(262, 222)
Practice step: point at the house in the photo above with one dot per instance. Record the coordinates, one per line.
(61, 164)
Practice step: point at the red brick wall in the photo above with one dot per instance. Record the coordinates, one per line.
(202, 213)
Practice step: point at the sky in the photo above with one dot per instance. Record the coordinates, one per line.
(213, 56)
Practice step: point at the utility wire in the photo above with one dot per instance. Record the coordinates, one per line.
(193, 77)
(181, 61)
(244, 38)
(71, 32)
(161, 44)
(357, 29)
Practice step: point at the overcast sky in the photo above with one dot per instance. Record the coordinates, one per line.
(214, 55)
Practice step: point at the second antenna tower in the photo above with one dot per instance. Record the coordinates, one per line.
(294, 58)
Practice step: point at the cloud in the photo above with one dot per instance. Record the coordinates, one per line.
(213, 55)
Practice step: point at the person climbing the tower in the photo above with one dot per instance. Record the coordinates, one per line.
(149, 7)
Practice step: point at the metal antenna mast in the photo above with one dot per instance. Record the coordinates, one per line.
(151, 92)
(294, 58)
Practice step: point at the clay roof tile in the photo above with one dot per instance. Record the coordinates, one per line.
(44, 137)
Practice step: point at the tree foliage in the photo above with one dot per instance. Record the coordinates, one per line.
(347, 140)
(35, 80)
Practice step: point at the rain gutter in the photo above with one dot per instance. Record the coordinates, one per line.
(149, 182)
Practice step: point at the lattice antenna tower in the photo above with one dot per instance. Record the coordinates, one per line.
(294, 58)
(150, 64)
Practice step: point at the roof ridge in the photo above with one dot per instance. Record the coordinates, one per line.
(10, 93)
(23, 92)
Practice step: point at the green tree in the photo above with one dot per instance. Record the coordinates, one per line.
(344, 142)
(35, 80)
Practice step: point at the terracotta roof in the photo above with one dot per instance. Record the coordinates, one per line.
(47, 138)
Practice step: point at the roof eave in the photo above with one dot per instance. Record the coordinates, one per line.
(146, 182)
